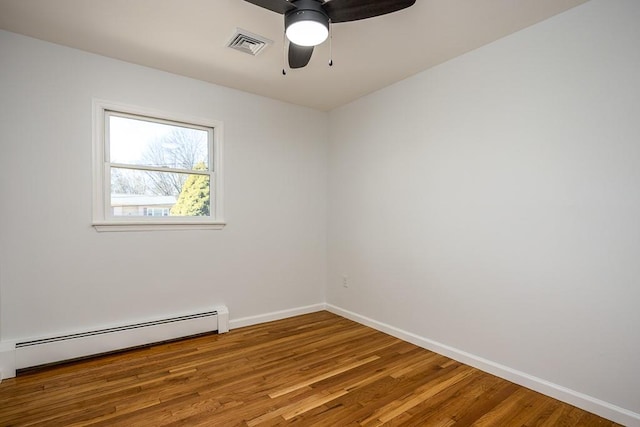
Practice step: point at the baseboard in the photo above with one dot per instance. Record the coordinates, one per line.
(275, 315)
(7, 360)
(581, 400)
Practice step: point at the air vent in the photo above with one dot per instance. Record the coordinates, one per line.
(247, 42)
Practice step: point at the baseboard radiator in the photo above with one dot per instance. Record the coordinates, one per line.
(54, 349)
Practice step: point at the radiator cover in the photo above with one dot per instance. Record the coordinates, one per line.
(53, 349)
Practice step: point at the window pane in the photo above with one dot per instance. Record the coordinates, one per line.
(144, 193)
(147, 143)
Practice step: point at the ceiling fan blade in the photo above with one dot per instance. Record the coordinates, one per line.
(299, 56)
(279, 6)
(354, 10)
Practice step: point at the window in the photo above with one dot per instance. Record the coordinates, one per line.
(155, 171)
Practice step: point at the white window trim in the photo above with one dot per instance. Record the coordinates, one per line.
(101, 178)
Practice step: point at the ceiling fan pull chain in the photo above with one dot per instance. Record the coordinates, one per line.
(284, 53)
(330, 44)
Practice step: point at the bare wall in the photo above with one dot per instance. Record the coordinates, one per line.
(492, 204)
(58, 274)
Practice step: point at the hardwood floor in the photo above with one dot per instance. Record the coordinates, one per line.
(313, 370)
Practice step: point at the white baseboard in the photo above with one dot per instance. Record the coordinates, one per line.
(581, 400)
(7, 360)
(276, 315)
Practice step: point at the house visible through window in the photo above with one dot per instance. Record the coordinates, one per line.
(156, 211)
(156, 170)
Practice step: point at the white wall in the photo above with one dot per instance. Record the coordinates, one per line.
(492, 204)
(58, 274)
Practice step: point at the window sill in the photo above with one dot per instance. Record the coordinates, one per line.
(148, 226)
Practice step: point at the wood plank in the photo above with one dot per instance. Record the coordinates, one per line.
(318, 369)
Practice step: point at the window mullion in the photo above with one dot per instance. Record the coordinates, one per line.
(158, 169)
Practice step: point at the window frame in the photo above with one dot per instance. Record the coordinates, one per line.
(103, 220)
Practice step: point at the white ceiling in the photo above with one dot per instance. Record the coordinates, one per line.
(188, 37)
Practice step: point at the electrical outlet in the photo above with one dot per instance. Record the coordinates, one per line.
(345, 281)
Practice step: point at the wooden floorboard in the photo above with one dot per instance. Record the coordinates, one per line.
(313, 370)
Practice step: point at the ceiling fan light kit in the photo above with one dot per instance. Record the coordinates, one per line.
(306, 22)
(306, 27)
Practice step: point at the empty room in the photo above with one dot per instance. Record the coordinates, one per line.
(320, 212)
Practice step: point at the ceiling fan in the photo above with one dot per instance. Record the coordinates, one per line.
(307, 22)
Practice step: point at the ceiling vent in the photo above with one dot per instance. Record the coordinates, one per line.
(247, 42)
